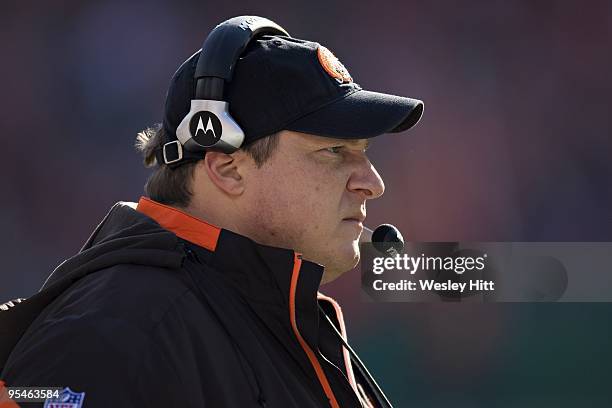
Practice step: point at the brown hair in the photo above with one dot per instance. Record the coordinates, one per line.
(172, 186)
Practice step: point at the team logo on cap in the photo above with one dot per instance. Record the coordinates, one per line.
(333, 66)
(205, 128)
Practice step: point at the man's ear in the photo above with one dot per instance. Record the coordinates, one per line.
(223, 171)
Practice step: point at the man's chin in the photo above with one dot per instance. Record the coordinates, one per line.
(339, 265)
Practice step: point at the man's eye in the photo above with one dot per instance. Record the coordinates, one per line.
(334, 149)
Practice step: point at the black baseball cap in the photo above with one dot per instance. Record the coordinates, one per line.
(284, 83)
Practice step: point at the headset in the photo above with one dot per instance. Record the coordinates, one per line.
(209, 125)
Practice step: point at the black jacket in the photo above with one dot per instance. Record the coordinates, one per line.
(196, 317)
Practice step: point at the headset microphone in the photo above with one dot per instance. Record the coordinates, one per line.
(386, 239)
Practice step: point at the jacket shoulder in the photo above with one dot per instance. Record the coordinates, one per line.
(112, 335)
(133, 293)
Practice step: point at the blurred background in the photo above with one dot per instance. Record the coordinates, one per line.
(515, 145)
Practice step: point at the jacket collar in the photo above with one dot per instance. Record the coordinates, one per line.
(263, 274)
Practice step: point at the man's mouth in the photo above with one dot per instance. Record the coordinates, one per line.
(358, 218)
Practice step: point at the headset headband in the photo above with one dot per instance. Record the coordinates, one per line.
(223, 47)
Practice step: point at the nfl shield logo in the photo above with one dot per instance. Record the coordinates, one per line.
(66, 399)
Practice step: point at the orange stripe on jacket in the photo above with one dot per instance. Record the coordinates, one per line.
(183, 225)
(345, 352)
(297, 263)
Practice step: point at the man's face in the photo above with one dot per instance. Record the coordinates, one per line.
(310, 196)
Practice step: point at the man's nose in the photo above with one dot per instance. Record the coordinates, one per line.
(366, 181)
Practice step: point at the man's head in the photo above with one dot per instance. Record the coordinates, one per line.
(301, 178)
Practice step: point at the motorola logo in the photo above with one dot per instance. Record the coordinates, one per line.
(205, 127)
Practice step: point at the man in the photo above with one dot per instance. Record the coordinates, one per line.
(205, 293)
